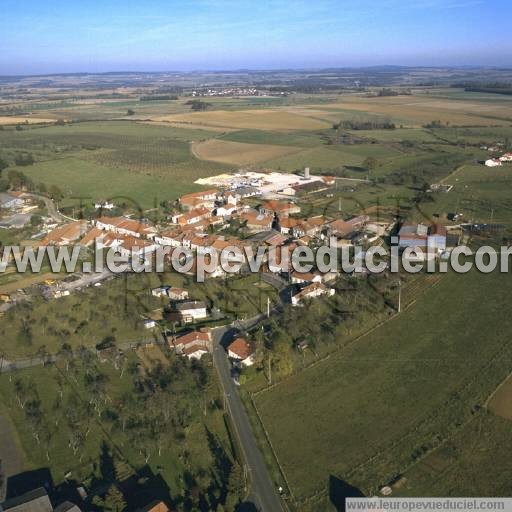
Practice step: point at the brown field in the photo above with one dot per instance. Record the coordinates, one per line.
(247, 119)
(6, 120)
(239, 153)
(501, 402)
(418, 110)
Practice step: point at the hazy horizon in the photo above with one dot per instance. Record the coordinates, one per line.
(257, 70)
(159, 36)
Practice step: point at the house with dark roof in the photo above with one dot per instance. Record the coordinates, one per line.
(36, 500)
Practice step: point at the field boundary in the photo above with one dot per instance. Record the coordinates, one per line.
(491, 396)
(269, 442)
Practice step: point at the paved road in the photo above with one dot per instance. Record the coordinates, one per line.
(53, 212)
(263, 492)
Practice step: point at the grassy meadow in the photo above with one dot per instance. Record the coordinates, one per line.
(374, 409)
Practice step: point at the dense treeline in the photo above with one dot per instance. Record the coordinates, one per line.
(365, 125)
(159, 97)
(487, 87)
(198, 105)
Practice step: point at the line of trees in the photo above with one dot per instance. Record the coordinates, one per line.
(365, 125)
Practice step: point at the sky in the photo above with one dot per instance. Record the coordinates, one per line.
(56, 36)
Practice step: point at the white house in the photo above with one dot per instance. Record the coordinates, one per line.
(225, 211)
(493, 162)
(161, 291)
(57, 294)
(149, 324)
(191, 311)
(105, 205)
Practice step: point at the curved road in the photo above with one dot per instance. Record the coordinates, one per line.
(53, 212)
(263, 491)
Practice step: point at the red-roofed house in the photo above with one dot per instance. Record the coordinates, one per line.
(125, 226)
(192, 345)
(204, 199)
(66, 234)
(241, 350)
(281, 208)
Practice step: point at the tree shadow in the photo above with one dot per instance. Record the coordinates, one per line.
(145, 487)
(246, 506)
(339, 491)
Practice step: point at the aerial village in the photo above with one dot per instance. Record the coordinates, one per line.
(246, 208)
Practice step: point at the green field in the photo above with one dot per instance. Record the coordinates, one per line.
(474, 462)
(479, 193)
(378, 406)
(143, 163)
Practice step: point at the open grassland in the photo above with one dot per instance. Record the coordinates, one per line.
(299, 139)
(257, 119)
(475, 462)
(479, 193)
(317, 159)
(378, 406)
(239, 153)
(82, 178)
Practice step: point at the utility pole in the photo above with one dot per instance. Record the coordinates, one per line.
(268, 307)
(399, 295)
(492, 214)
(269, 368)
